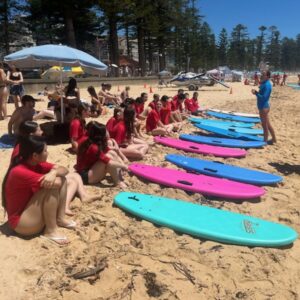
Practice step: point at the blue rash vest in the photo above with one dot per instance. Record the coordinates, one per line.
(263, 96)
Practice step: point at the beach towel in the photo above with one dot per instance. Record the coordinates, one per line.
(7, 141)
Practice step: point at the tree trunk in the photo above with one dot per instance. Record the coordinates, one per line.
(6, 33)
(141, 49)
(150, 51)
(113, 43)
(70, 32)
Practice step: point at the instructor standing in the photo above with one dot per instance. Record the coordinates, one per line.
(263, 105)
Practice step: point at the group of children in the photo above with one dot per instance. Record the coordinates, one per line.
(37, 194)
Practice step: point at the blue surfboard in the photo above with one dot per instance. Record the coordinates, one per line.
(232, 117)
(242, 130)
(206, 222)
(218, 169)
(223, 142)
(230, 132)
(212, 122)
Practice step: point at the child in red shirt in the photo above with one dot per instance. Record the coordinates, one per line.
(153, 103)
(154, 124)
(26, 129)
(34, 193)
(95, 159)
(123, 133)
(77, 126)
(112, 122)
(192, 105)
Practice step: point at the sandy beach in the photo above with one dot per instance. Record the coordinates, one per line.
(144, 261)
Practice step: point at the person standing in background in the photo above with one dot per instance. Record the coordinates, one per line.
(263, 105)
(15, 78)
(3, 93)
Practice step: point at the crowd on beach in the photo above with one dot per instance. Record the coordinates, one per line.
(37, 194)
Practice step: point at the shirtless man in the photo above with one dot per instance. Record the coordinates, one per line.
(22, 114)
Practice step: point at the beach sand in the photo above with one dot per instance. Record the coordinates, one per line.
(147, 262)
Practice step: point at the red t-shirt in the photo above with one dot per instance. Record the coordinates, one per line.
(22, 183)
(153, 104)
(176, 105)
(139, 108)
(191, 105)
(77, 131)
(152, 120)
(165, 113)
(87, 159)
(119, 133)
(111, 123)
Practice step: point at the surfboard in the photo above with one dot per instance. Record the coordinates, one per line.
(211, 122)
(199, 148)
(235, 113)
(223, 142)
(252, 131)
(231, 133)
(232, 117)
(206, 222)
(218, 169)
(202, 184)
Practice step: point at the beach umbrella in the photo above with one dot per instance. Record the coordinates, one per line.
(53, 55)
(54, 72)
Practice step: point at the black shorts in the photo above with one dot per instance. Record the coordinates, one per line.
(17, 90)
(84, 176)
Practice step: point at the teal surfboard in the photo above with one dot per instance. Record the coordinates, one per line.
(206, 222)
(232, 117)
(254, 131)
(229, 132)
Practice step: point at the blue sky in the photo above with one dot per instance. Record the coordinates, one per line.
(285, 14)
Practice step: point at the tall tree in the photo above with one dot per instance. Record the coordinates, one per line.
(260, 44)
(222, 47)
(273, 47)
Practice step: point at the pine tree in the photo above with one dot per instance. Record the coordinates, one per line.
(222, 47)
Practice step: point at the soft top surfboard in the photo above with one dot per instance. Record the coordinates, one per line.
(235, 113)
(199, 148)
(223, 142)
(252, 131)
(231, 133)
(218, 169)
(206, 222)
(232, 117)
(203, 184)
(211, 122)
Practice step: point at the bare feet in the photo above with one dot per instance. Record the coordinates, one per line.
(123, 186)
(68, 212)
(67, 224)
(89, 198)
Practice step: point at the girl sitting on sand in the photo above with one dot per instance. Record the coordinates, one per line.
(34, 193)
(74, 182)
(96, 108)
(112, 122)
(123, 133)
(155, 126)
(109, 99)
(77, 125)
(166, 115)
(95, 159)
(191, 105)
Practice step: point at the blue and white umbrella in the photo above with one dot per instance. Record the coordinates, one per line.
(53, 55)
